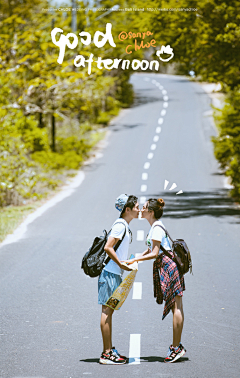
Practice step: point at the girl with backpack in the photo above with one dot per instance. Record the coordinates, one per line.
(169, 286)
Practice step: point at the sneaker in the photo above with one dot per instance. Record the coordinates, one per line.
(116, 353)
(169, 350)
(182, 350)
(111, 359)
(174, 355)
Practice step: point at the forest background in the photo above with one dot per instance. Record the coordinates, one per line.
(51, 115)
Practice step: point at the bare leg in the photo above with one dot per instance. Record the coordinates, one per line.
(178, 319)
(106, 328)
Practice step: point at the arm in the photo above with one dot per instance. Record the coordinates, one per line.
(131, 261)
(146, 254)
(111, 253)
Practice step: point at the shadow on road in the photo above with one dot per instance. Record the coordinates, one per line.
(139, 99)
(161, 359)
(195, 204)
(143, 359)
(120, 127)
(91, 360)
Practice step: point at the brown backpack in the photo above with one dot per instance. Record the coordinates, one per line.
(182, 256)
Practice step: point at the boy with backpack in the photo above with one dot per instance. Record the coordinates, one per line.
(111, 276)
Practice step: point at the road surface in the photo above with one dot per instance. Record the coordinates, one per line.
(49, 312)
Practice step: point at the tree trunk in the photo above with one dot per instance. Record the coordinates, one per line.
(53, 133)
(40, 123)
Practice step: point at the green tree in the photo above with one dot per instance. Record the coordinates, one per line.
(207, 42)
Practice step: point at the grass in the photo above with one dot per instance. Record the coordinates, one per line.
(12, 216)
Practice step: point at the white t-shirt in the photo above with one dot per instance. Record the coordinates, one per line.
(157, 233)
(117, 232)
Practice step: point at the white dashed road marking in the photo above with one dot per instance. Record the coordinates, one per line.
(135, 339)
(137, 290)
(134, 349)
(140, 235)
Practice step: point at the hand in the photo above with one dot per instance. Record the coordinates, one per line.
(131, 261)
(124, 267)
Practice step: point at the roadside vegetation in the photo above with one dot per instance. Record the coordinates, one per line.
(206, 45)
(51, 115)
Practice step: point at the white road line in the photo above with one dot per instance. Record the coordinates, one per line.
(164, 92)
(138, 254)
(160, 87)
(153, 81)
(158, 129)
(156, 138)
(140, 235)
(143, 188)
(153, 147)
(146, 79)
(165, 104)
(165, 98)
(144, 176)
(146, 165)
(160, 121)
(143, 200)
(163, 112)
(150, 155)
(137, 290)
(134, 349)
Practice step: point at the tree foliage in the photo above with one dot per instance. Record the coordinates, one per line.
(207, 42)
(35, 91)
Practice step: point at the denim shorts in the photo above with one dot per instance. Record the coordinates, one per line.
(107, 284)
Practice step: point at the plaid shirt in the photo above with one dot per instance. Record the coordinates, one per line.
(168, 284)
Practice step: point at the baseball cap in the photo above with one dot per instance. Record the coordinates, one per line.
(121, 202)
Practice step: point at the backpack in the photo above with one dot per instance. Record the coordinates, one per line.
(182, 256)
(96, 258)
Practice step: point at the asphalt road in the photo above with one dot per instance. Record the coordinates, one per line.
(49, 312)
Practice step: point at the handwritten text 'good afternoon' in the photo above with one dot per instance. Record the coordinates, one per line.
(99, 40)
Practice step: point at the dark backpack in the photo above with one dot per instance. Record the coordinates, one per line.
(96, 258)
(182, 256)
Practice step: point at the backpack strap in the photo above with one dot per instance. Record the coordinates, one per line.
(117, 245)
(165, 231)
(161, 247)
